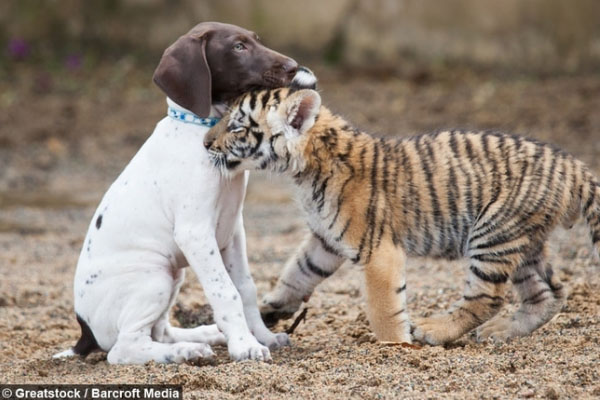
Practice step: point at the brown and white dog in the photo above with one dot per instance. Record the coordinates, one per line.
(171, 208)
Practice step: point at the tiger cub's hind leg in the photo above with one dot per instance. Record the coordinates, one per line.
(483, 297)
(541, 295)
(386, 295)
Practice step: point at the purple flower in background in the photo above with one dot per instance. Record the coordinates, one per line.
(73, 62)
(18, 49)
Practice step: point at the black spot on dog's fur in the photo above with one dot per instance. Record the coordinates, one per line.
(87, 342)
(99, 221)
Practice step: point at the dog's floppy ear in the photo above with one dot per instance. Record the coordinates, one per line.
(184, 75)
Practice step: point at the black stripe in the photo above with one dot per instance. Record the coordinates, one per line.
(500, 253)
(523, 279)
(485, 145)
(340, 200)
(495, 278)
(344, 229)
(410, 197)
(548, 279)
(452, 191)
(315, 269)
(386, 192)
(231, 164)
(382, 225)
(421, 220)
(538, 301)
(467, 220)
(454, 144)
(253, 95)
(276, 96)
(265, 98)
(511, 230)
(539, 202)
(319, 193)
(534, 299)
(324, 244)
(401, 289)
(507, 211)
(489, 258)
(483, 296)
(285, 283)
(398, 312)
(258, 136)
(241, 109)
(590, 199)
(361, 159)
(344, 159)
(301, 268)
(371, 209)
(438, 219)
(253, 123)
(469, 148)
(472, 314)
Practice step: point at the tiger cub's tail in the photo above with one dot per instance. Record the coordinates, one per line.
(590, 209)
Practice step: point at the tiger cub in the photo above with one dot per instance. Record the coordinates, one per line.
(489, 197)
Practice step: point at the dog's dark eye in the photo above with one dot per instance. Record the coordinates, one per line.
(239, 46)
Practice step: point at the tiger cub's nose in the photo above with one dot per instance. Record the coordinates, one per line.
(208, 142)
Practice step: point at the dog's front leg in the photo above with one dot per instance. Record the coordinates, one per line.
(236, 262)
(202, 252)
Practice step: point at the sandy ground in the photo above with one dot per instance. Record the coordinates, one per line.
(54, 170)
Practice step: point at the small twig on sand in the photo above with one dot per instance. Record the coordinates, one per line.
(402, 344)
(301, 317)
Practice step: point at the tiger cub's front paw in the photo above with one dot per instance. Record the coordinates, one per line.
(274, 307)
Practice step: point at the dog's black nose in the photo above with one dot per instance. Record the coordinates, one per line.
(290, 67)
(286, 66)
(208, 143)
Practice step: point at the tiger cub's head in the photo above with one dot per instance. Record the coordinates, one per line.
(263, 128)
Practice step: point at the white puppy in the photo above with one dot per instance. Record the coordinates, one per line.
(168, 209)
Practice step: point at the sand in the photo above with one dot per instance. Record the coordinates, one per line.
(51, 183)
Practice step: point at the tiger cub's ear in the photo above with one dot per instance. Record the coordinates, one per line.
(301, 108)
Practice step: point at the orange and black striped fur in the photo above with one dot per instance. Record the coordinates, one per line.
(489, 197)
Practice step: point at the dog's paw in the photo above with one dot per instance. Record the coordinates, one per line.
(248, 349)
(189, 352)
(274, 340)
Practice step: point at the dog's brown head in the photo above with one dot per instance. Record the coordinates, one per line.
(217, 62)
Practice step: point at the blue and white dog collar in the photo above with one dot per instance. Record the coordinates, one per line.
(191, 118)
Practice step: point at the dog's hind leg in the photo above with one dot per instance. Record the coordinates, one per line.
(209, 334)
(147, 305)
(165, 333)
(139, 348)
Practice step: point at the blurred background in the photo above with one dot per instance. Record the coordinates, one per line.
(77, 100)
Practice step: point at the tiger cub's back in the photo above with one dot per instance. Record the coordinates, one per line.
(456, 192)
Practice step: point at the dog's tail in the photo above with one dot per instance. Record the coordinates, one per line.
(85, 345)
